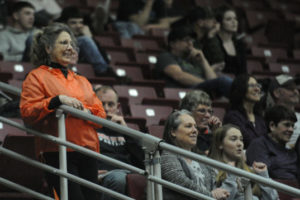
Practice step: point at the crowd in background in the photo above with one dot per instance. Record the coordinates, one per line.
(204, 51)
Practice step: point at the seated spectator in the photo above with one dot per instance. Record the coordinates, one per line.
(13, 37)
(233, 49)
(270, 149)
(206, 28)
(115, 145)
(135, 16)
(51, 7)
(283, 91)
(184, 66)
(199, 104)
(227, 147)
(244, 112)
(88, 50)
(181, 131)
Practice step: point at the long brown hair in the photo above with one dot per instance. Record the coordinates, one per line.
(217, 154)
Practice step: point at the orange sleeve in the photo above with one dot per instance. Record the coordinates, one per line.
(33, 103)
(95, 106)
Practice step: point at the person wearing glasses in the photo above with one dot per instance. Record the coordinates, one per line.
(199, 103)
(271, 148)
(283, 91)
(244, 112)
(47, 87)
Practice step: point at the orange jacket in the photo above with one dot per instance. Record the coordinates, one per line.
(44, 83)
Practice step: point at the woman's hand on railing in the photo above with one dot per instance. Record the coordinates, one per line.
(70, 101)
(220, 193)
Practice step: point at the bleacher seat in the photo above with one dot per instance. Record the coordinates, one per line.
(140, 121)
(18, 69)
(146, 58)
(156, 130)
(175, 93)
(174, 103)
(248, 4)
(152, 114)
(134, 73)
(270, 54)
(254, 67)
(133, 126)
(256, 18)
(88, 71)
(279, 68)
(136, 186)
(120, 55)
(108, 40)
(135, 94)
(17, 171)
(6, 129)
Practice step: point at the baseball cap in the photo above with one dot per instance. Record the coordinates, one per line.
(282, 80)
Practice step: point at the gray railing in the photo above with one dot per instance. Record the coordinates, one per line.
(151, 145)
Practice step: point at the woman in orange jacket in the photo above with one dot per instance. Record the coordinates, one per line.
(51, 85)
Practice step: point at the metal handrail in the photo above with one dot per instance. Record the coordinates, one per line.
(154, 143)
(92, 154)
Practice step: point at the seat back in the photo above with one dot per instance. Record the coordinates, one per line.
(18, 69)
(156, 130)
(136, 186)
(135, 94)
(134, 73)
(6, 129)
(153, 114)
(175, 93)
(17, 171)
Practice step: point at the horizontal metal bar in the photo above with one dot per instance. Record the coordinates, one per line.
(75, 147)
(219, 165)
(23, 189)
(146, 140)
(63, 174)
(11, 89)
(153, 141)
(179, 188)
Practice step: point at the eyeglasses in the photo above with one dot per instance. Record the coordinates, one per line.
(66, 44)
(255, 85)
(203, 111)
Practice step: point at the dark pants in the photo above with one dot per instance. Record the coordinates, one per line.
(79, 165)
(219, 86)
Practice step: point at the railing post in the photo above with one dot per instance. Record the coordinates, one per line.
(62, 154)
(157, 173)
(149, 169)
